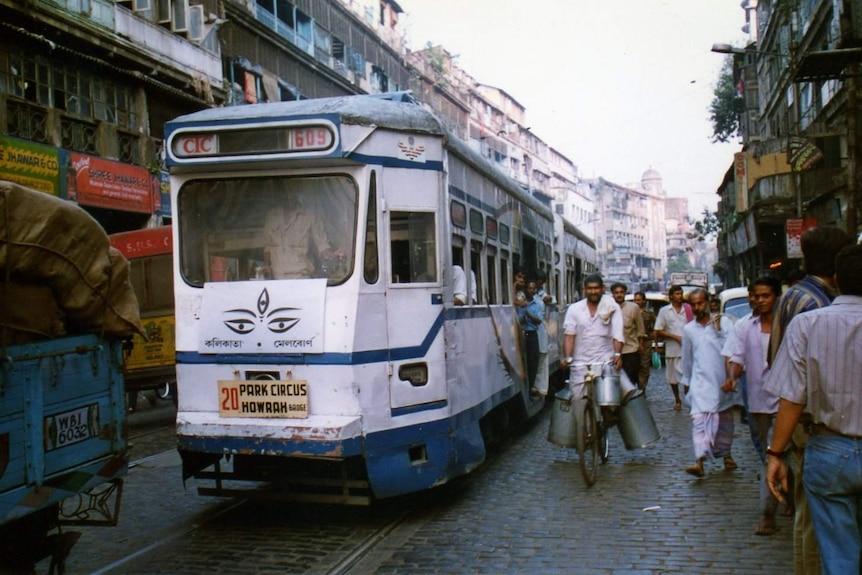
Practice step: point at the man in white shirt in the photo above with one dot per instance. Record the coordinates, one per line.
(746, 349)
(669, 325)
(593, 330)
(459, 286)
(703, 373)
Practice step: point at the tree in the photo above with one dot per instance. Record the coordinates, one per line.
(709, 226)
(679, 263)
(727, 106)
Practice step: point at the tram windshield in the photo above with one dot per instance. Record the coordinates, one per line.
(267, 228)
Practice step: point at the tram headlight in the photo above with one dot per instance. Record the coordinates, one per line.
(415, 373)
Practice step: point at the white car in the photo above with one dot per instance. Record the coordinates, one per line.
(734, 302)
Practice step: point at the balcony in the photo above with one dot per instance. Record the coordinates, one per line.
(167, 48)
(100, 12)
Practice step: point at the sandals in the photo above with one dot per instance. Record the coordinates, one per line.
(696, 469)
(766, 527)
(729, 464)
(677, 406)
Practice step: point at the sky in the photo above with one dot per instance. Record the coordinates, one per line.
(617, 86)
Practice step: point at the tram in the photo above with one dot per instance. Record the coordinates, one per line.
(319, 351)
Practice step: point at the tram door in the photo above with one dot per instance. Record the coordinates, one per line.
(414, 297)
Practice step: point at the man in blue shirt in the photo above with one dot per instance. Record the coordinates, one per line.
(531, 317)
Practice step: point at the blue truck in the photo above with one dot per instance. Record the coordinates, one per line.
(66, 309)
(63, 450)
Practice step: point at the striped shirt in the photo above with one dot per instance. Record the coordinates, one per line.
(819, 365)
(809, 294)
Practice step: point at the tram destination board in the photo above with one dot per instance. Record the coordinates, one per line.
(284, 399)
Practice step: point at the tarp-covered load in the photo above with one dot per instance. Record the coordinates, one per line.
(58, 274)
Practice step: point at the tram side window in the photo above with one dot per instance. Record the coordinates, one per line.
(476, 270)
(492, 278)
(413, 247)
(371, 267)
(557, 291)
(463, 289)
(504, 275)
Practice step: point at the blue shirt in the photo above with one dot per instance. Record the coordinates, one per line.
(535, 308)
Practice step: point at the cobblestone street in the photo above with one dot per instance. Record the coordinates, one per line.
(526, 511)
(529, 511)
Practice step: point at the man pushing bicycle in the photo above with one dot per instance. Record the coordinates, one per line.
(593, 330)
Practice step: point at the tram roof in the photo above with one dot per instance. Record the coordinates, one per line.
(573, 229)
(382, 112)
(395, 110)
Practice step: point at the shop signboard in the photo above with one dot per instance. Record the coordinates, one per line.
(741, 180)
(113, 185)
(30, 164)
(794, 228)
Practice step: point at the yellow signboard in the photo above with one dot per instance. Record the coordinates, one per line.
(263, 398)
(157, 350)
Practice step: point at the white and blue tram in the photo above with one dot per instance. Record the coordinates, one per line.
(319, 350)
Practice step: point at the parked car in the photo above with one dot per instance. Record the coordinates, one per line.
(734, 302)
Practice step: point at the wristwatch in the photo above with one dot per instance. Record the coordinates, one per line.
(773, 453)
(617, 354)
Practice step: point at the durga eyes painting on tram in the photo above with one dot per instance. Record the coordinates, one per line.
(243, 321)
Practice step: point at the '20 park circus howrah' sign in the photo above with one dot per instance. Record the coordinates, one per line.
(283, 399)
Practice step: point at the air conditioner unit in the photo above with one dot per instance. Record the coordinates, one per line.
(180, 22)
(196, 31)
(142, 5)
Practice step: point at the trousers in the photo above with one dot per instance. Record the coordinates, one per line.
(832, 477)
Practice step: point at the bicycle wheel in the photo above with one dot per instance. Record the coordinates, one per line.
(587, 447)
(604, 443)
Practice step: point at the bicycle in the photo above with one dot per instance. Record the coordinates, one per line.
(592, 426)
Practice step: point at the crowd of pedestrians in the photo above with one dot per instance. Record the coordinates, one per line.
(792, 368)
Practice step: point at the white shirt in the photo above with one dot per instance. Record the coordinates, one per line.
(594, 339)
(703, 366)
(671, 321)
(747, 346)
(459, 285)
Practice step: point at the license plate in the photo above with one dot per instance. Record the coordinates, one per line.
(70, 427)
(272, 399)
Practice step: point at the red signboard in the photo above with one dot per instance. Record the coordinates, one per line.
(740, 165)
(143, 243)
(113, 185)
(794, 229)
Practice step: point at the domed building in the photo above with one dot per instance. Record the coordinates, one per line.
(630, 231)
(651, 182)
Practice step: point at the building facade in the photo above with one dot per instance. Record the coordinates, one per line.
(798, 165)
(87, 85)
(631, 237)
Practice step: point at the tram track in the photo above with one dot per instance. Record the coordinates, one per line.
(175, 535)
(344, 566)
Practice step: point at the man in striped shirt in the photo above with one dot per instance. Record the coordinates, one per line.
(820, 245)
(817, 371)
